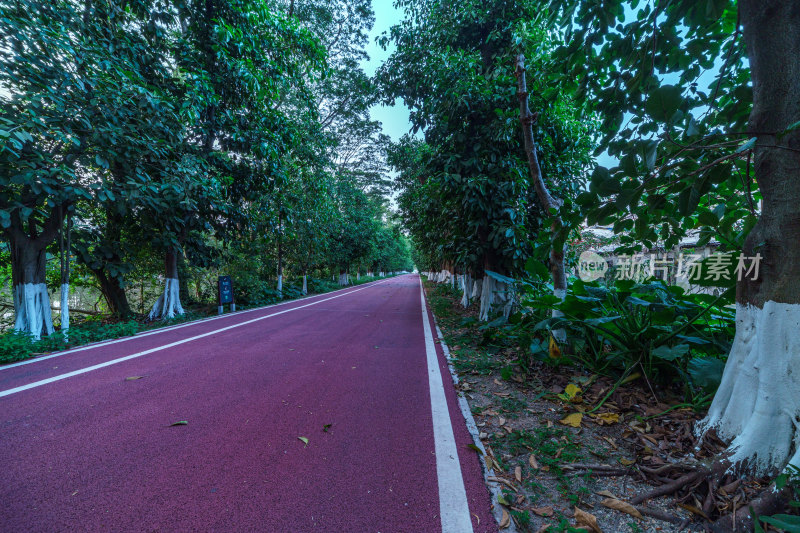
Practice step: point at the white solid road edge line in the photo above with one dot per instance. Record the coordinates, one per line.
(453, 506)
(494, 488)
(35, 384)
(165, 329)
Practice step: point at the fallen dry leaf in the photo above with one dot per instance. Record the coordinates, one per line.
(619, 505)
(572, 392)
(518, 474)
(544, 529)
(606, 493)
(626, 462)
(554, 350)
(587, 519)
(498, 382)
(573, 420)
(606, 419)
(133, 378)
(543, 511)
(505, 521)
(533, 462)
(502, 421)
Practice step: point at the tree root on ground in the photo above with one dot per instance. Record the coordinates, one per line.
(769, 503)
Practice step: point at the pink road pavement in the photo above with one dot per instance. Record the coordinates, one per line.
(83, 448)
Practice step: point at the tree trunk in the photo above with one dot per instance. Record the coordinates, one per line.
(114, 293)
(66, 247)
(558, 232)
(305, 284)
(28, 256)
(758, 401)
(343, 280)
(169, 303)
(280, 256)
(31, 300)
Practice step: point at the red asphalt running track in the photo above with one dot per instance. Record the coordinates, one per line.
(93, 451)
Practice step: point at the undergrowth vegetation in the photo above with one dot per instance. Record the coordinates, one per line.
(625, 330)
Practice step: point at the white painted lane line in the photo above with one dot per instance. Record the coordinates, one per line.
(35, 384)
(453, 506)
(171, 328)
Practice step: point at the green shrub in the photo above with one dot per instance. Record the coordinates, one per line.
(652, 328)
(15, 346)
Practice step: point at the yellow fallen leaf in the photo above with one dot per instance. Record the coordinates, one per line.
(626, 462)
(505, 521)
(619, 505)
(305, 440)
(554, 351)
(573, 420)
(607, 418)
(587, 519)
(518, 474)
(572, 391)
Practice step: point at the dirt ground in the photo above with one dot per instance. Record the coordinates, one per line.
(568, 461)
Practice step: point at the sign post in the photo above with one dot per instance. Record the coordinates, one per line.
(225, 293)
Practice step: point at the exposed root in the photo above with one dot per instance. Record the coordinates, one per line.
(770, 502)
(670, 488)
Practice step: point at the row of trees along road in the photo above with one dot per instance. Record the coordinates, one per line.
(204, 133)
(699, 105)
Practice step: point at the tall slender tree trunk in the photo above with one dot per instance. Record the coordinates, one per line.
(280, 256)
(758, 402)
(66, 247)
(558, 232)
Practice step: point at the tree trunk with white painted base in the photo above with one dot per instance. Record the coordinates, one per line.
(305, 285)
(31, 299)
(169, 303)
(343, 279)
(65, 246)
(466, 287)
(757, 405)
(28, 242)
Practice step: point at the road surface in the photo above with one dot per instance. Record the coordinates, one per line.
(83, 447)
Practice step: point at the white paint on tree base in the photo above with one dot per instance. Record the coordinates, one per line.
(305, 284)
(494, 294)
(343, 279)
(757, 404)
(466, 287)
(32, 305)
(280, 284)
(358, 276)
(560, 335)
(453, 506)
(64, 306)
(169, 303)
